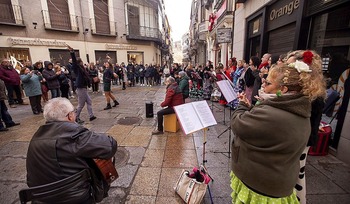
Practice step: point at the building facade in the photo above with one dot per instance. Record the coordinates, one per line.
(211, 31)
(128, 30)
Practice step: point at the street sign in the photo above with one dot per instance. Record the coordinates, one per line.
(224, 35)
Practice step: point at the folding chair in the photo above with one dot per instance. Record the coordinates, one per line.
(56, 191)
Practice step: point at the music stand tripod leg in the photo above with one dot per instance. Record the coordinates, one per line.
(229, 143)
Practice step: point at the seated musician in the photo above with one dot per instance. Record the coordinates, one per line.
(61, 148)
(173, 98)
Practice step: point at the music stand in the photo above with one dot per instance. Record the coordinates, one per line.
(227, 90)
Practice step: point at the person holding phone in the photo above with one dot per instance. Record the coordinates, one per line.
(32, 88)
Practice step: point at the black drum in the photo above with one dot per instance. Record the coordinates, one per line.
(149, 110)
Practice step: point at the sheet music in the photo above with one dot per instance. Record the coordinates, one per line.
(204, 113)
(188, 118)
(227, 90)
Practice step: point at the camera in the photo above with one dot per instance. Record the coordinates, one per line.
(35, 71)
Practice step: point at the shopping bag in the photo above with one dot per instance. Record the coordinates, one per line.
(191, 187)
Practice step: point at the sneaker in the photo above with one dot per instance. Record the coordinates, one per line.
(23, 103)
(92, 118)
(79, 121)
(13, 106)
(157, 132)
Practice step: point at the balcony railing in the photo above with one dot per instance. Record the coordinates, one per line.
(11, 14)
(64, 22)
(143, 33)
(101, 27)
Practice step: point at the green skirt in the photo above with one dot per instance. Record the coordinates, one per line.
(107, 87)
(241, 194)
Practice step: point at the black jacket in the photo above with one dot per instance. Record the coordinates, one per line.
(61, 149)
(82, 76)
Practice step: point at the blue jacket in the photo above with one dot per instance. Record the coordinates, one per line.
(31, 84)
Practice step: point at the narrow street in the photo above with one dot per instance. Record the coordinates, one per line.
(149, 165)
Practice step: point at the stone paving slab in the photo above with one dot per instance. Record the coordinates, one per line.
(317, 183)
(168, 181)
(176, 158)
(146, 182)
(153, 158)
(9, 192)
(158, 142)
(13, 169)
(133, 199)
(14, 149)
(126, 176)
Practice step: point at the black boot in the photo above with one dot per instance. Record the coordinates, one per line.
(115, 103)
(108, 106)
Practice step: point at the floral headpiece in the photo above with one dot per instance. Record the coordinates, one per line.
(307, 57)
(300, 66)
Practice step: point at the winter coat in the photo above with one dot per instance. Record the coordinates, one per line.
(108, 76)
(184, 86)
(269, 140)
(3, 95)
(61, 149)
(31, 84)
(9, 75)
(82, 76)
(51, 77)
(141, 71)
(148, 72)
(173, 96)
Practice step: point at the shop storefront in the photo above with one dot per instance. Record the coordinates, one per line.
(274, 28)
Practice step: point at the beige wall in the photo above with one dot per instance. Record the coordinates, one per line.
(243, 12)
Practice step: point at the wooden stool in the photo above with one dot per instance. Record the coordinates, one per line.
(171, 124)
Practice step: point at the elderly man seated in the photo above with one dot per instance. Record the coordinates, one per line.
(61, 148)
(173, 98)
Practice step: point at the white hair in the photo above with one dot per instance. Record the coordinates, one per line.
(57, 109)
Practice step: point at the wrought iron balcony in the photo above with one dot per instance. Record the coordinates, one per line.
(137, 32)
(63, 22)
(11, 15)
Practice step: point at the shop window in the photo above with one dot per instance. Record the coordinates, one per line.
(104, 56)
(61, 56)
(136, 57)
(21, 54)
(255, 27)
(330, 37)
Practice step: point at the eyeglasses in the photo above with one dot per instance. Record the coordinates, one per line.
(73, 111)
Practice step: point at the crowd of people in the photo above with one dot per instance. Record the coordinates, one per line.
(268, 160)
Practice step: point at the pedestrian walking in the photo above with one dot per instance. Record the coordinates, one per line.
(82, 83)
(108, 76)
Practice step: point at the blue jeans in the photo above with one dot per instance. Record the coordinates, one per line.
(55, 93)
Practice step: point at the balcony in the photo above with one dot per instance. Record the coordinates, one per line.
(136, 32)
(61, 22)
(11, 15)
(105, 28)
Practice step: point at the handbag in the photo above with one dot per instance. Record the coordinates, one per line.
(96, 80)
(191, 187)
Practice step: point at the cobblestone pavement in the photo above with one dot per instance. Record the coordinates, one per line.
(150, 165)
